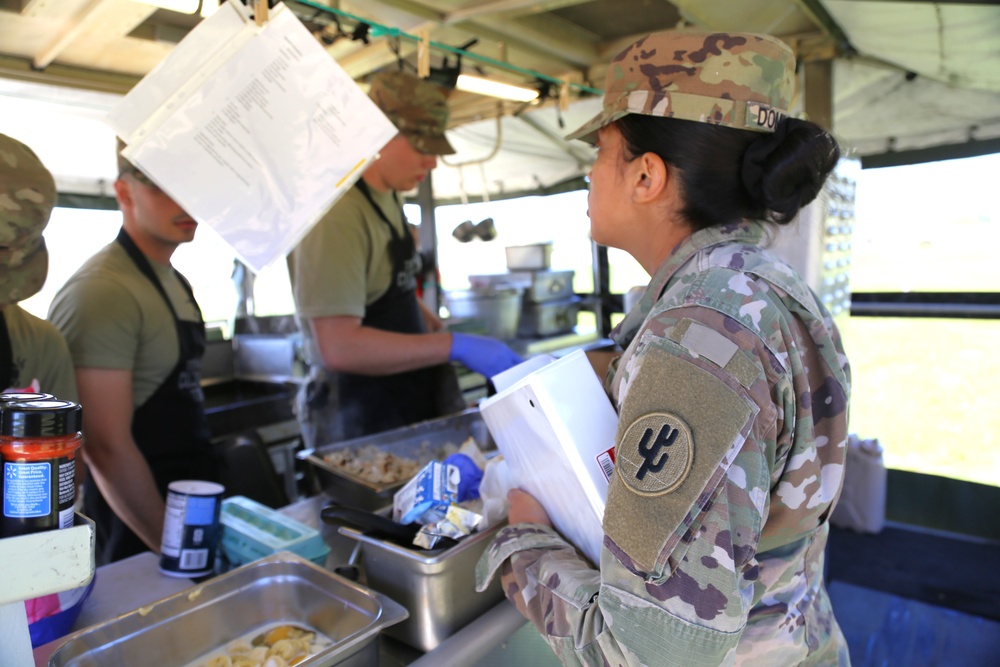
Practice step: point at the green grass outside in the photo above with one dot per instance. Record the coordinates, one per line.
(926, 388)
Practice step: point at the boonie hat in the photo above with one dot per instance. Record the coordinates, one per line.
(417, 108)
(740, 80)
(27, 195)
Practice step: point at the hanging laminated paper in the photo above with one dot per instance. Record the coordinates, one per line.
(252, 128)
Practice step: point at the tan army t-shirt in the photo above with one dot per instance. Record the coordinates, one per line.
(343, 264)
(39, 353)
(113, 317)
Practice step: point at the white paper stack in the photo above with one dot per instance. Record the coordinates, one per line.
(556, 427)
(255, 131)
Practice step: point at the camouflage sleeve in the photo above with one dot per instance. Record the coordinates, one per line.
(552, 586)
(678, 574)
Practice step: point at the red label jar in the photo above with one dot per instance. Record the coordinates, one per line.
(38, 444)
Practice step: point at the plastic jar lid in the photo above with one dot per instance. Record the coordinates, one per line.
(21, 396)
(39, 419)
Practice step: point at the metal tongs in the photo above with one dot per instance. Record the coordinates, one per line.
(377, 526)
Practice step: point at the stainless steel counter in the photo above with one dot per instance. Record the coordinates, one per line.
(119, 588)
(558, 345)
(134, 582)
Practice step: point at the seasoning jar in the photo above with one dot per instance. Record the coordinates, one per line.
(38, 443)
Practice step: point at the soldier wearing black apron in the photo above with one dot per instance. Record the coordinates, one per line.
(374, 364)
(170, 428)
(342, 406)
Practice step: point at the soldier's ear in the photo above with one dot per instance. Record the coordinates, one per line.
(651, 177)
(123, 193)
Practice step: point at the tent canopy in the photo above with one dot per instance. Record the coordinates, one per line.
(889, 77)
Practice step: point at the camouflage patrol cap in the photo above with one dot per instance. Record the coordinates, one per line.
(27, 195)
(417, 108)
(739, 80)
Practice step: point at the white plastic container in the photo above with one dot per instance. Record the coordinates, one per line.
(862, 502)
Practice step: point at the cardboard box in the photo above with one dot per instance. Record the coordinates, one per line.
(426, 498)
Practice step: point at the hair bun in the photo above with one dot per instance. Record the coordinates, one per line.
(784, 171)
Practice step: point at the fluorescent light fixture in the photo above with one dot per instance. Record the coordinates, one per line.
(182, 6)
(506, 91)
(209, 7)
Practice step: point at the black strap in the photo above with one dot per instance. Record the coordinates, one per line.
(6, 356)
(378, 209)
(147, 270)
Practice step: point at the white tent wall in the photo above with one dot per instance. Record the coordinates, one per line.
(925, 74)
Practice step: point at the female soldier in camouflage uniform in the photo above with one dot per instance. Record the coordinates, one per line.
(732, 392)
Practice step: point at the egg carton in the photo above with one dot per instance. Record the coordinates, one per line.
(251, 531)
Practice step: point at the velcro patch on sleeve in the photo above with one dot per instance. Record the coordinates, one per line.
(708, 343)
(680, 429)
(705, 342)
(743, 369)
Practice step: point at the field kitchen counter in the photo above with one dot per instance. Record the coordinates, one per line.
(134, 582)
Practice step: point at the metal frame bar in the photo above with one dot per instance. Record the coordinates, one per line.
(971, 148)
(951, 305)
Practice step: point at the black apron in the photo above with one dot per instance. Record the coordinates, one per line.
(170, 428)
(348, 405)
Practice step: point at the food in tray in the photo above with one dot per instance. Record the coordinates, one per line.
(373, 465)
(280, 646)
(378, 466)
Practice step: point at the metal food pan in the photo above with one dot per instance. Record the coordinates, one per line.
(550, 318)
(282, 588)
(539, 286)
(423, 442)
(438, 587)
(534, 257)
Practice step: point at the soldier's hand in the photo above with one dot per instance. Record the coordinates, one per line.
(525, 509)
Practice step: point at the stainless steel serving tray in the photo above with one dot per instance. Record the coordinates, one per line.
(437, 587)
(423, 442)
(282, 588)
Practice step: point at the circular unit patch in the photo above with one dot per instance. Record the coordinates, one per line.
(655, 454)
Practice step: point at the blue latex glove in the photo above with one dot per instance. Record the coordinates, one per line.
(483, 355)
(472, 476)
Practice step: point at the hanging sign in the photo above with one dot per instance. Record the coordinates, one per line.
(253, 129)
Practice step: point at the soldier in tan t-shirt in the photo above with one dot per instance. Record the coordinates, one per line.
(33, 354)
(378, 357)
(137, 339)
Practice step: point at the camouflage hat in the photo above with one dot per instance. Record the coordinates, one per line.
(416, 107)
(27, 195)
(739, 80)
